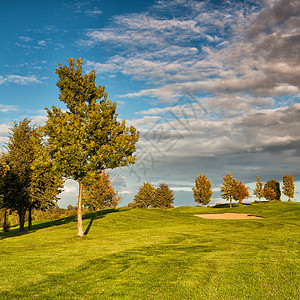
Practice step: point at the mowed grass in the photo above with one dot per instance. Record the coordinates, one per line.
(157, 254)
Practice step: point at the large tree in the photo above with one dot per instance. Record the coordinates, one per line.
(275, 186)
(227, 188)
(86, 138)
(101, 194)
(146, 196)
(288, 186)
(202, 191)
(26, 186)
(164, 197)
(240, 192)
(258, 192)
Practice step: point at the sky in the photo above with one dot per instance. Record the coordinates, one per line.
(212, 86)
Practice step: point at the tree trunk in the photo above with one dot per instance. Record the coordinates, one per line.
(79, 210)
(5, 227)
(202, 204)
(21, 213)
(29, 219)
(230, 203)
(290, 199)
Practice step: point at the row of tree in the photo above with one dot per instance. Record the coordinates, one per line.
(232, 189)
(150, 197)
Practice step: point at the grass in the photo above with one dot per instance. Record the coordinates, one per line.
(156, 254)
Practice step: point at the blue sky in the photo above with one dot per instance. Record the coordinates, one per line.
(212, 86)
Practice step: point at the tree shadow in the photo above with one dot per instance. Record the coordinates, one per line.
(93, 215)
(89, 226)
(227, 205)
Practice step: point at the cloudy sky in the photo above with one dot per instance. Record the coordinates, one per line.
(212, 86)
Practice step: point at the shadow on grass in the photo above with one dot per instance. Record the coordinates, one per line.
(227, 205)
(94, 215)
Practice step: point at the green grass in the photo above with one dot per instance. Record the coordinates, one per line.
(156, 254)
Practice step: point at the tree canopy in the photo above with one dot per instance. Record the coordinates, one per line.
(275, 186)
(202, 191)
(146, 196)
(258, 191)
(86, 138)
(240, 192)
(288, 186)
(164, 197)
(101, 194)
(228, 187)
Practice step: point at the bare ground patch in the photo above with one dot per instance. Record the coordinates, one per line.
(227, 216)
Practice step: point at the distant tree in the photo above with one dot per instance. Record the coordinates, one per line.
(269, 193)
(26, 186)
(258, 192)
(101, 194)
(131, 205)
(227, 188)
(71, 207)
(86, 138)
(240, 192)
(202, 191)
(275, 186)
(164, 197)
(146, 196)
(288, 186)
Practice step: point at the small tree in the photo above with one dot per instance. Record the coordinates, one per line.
(275, 186)
(269, 193)
(101, 194)
(86, 138)
(146, 195)
(227, 188)
(164, 197)
(202, 191)
(258, 192)
(288, 186)
(240, 192)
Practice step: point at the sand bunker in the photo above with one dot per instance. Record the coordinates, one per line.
(227, 216)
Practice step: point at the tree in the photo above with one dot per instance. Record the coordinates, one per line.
(45, 183)
(26, 186)
(240, 192)
(164, 197)
(86, 138)
(227, 188)
(258, 192)
(275, 186)
(146, 196)
(3, 170)
(288, 186)
(202, 191)
(269, 193)
(101, 194)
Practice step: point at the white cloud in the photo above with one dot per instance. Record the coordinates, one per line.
(42, 43)
(94, 12)
(21, 80)
(8, 108)
(260, 59)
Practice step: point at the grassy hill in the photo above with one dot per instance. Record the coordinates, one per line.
(157, 254)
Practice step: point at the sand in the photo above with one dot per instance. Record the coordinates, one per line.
(227, 216)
